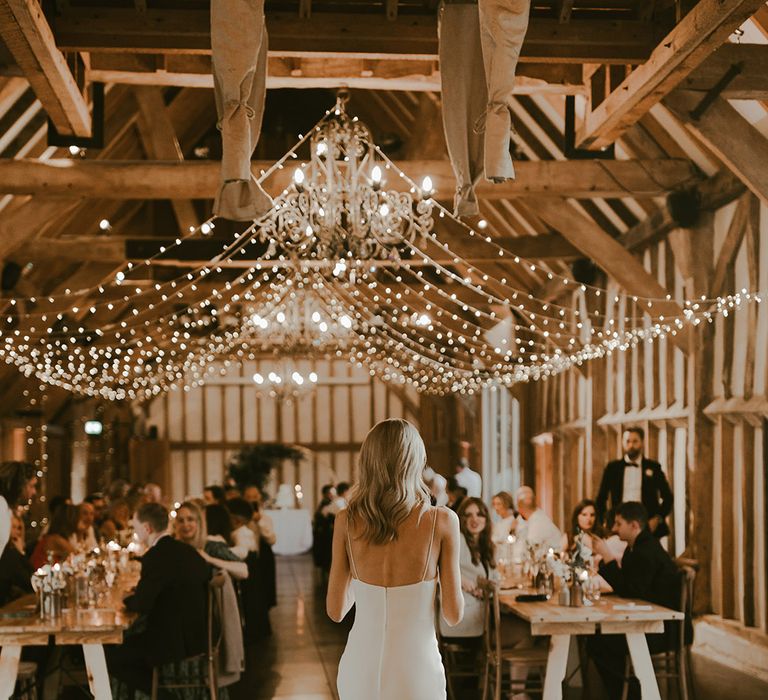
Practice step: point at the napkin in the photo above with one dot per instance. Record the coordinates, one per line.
(632, 606)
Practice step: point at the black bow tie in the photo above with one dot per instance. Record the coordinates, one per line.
(631, 464)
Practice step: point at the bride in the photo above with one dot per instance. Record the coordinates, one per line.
(390, 547)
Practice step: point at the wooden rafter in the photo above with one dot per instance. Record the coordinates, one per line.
(738, 144)
(611, 256)
(703, 30)
(26, 33)
(334, 34)
(161, 143)
(749, 83)
(197, 180)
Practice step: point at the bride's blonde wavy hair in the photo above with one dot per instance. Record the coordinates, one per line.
(390, 482)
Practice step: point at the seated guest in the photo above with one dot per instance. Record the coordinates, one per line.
(172, 598)
(536, 527)
(504, 505)
(476, 560)
(584, 523)
(17, 485)
(61, 528)
(647, 572)
(99, 504)
(613, 541)
(213, 494)
(115, 524)
(15, 569)
(190, 527)
(85, 535)
(232, 491)
(456, 494)
(243, 538)
(152, 493)
(261, 523)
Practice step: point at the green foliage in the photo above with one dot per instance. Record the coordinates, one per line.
(252, 464)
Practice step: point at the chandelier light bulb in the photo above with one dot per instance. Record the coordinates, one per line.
(376, 177)
(104, 225)
(316, 316)
(308, 230)
(280, 317)
(345, 321)
(322, 149)
(426, 185)
(313, 377)
(297, 378)
(482, 224)
(258, 379)
(298, 177)
(323, 326)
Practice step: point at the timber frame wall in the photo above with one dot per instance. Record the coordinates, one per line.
(206, 425)
(704, 413)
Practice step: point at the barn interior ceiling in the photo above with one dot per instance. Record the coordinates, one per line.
(117, 282)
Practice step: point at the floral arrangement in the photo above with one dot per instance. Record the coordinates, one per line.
(575, 565)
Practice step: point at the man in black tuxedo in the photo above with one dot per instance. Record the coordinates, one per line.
(171, 599)
(635, 478)
(647, 572)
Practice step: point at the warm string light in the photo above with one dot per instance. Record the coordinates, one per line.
(403, 325)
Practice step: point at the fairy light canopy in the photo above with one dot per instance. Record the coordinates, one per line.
(355, 268)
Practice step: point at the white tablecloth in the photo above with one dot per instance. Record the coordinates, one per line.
(293, 528)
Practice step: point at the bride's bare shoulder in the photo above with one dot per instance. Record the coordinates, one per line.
(447, 520)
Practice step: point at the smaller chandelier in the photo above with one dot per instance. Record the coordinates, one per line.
(338, 207)
(285, 384)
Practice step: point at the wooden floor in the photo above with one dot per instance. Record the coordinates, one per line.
(300, 660)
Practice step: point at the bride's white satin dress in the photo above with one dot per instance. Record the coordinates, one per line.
(392, 651)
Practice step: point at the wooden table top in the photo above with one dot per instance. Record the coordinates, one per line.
(611, 614)
(20, 622)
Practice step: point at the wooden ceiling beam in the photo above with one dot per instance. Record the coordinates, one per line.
(612, 257)
(328, 34)
(284, 72)
(751, 81)
(738, 144)
(198, 179)
(198, 251)
(25, 31)
(703, 30)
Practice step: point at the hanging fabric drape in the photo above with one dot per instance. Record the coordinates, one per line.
(462, 78)
(239, 48)
(503, 24)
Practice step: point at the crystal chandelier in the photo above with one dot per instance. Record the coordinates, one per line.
(338, 206)
(286, 384)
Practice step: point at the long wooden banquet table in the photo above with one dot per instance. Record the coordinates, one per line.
(610, 615)
(92, 628)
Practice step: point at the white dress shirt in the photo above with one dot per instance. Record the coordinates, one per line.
(5, 523)
(502, 528)
(471, 481)
(266, 528)
(539, 529)
(633, 479)
(245, 541)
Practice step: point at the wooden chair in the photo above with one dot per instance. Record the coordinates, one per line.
(674, 663)
(201, 671)
(460, 660)
(497, 656)
(26, 681)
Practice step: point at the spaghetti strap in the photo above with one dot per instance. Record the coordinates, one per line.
(431, 540)
(351, 558)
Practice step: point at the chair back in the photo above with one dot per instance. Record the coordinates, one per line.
(215, 626)
(687, 582)
(492, 617)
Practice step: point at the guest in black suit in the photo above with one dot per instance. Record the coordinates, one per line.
(171, 598)
(635, 478)
(647, 572)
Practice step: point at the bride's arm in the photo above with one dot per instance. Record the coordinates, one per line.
(339, 599)
(451, 597)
